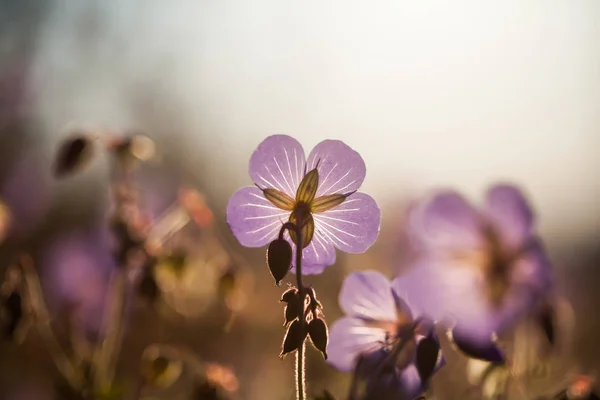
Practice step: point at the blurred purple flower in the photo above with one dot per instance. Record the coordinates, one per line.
(340, 217)
(377, 322)
(479, 269)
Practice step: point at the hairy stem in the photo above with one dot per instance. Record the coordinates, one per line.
(300, 379)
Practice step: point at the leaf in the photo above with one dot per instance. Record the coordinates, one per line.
(294, 336)
(428, 351)
(291, 312)
(308, 229)
(289, 295)
(73, 154)
(279, 259)
(319, 336)
(279, 199)
(308, 187)
(481, 350)
(327, 202)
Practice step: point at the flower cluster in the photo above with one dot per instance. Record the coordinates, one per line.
(478, 272)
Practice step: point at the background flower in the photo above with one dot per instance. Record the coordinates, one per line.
(480, 268)
(376, 319)
(279, 163)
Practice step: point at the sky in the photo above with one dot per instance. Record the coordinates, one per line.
(432, 93)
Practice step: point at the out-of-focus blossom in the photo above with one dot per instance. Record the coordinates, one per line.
(480, 269)
(320, 190)
(382, 335)
(216, 383)
(158, 370)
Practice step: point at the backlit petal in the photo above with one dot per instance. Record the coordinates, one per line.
(278, 163)
(352, 226)
(253, 219)
(510, 214)
(341, 169)
(446, 222)
(349, 338)
(319, 254)
(448, 292)
(368, 295)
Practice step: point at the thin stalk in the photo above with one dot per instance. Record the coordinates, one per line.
(42, 322)
(300, 378)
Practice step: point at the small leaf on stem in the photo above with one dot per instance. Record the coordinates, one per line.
(319, 336)
(428, 351)
(279, 259)
(294, 336)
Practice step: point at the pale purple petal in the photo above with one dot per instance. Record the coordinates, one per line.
(510, 214)
(533, 269)
(253, 219)
(447, 222)
(410, 382)
(278, 163)
(318, 255)
(352, 226)
(448, 292)
(368, 295)
(349, 338)
(341, 169)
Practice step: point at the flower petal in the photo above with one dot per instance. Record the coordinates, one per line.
(319, 254)
(448, 293)
(348, 339)
(341, 169)
(368, 295)
(446, 222)
(411, 382)
(253, 219)
(278, 163)
(533, 269)
(353, 226)
(510, 214)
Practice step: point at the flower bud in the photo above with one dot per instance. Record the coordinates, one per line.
(159, 371)
(279, 259)
(319, 336)
(428, 351)
(73, 155)
(294, 336)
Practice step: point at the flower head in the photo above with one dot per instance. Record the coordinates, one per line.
(317, 193)
(479, 268)
(379, 337)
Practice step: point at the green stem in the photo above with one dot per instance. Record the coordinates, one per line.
(300, 379)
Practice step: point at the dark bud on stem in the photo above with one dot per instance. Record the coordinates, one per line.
(427, 355)
(481, 350)
(279, 259)
(546, 319)
(319, 336)
(293, 337)
(73, 154)
(291, 311)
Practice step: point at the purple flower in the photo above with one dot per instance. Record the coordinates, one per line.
(481, 269)
(380, 333)
(321, 189)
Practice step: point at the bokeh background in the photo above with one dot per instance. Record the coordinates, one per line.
(432, 94)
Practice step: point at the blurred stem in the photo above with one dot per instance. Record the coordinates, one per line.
(300, 379)
(42, 322)
(111, 332)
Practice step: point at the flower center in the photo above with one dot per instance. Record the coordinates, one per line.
(497, 268)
